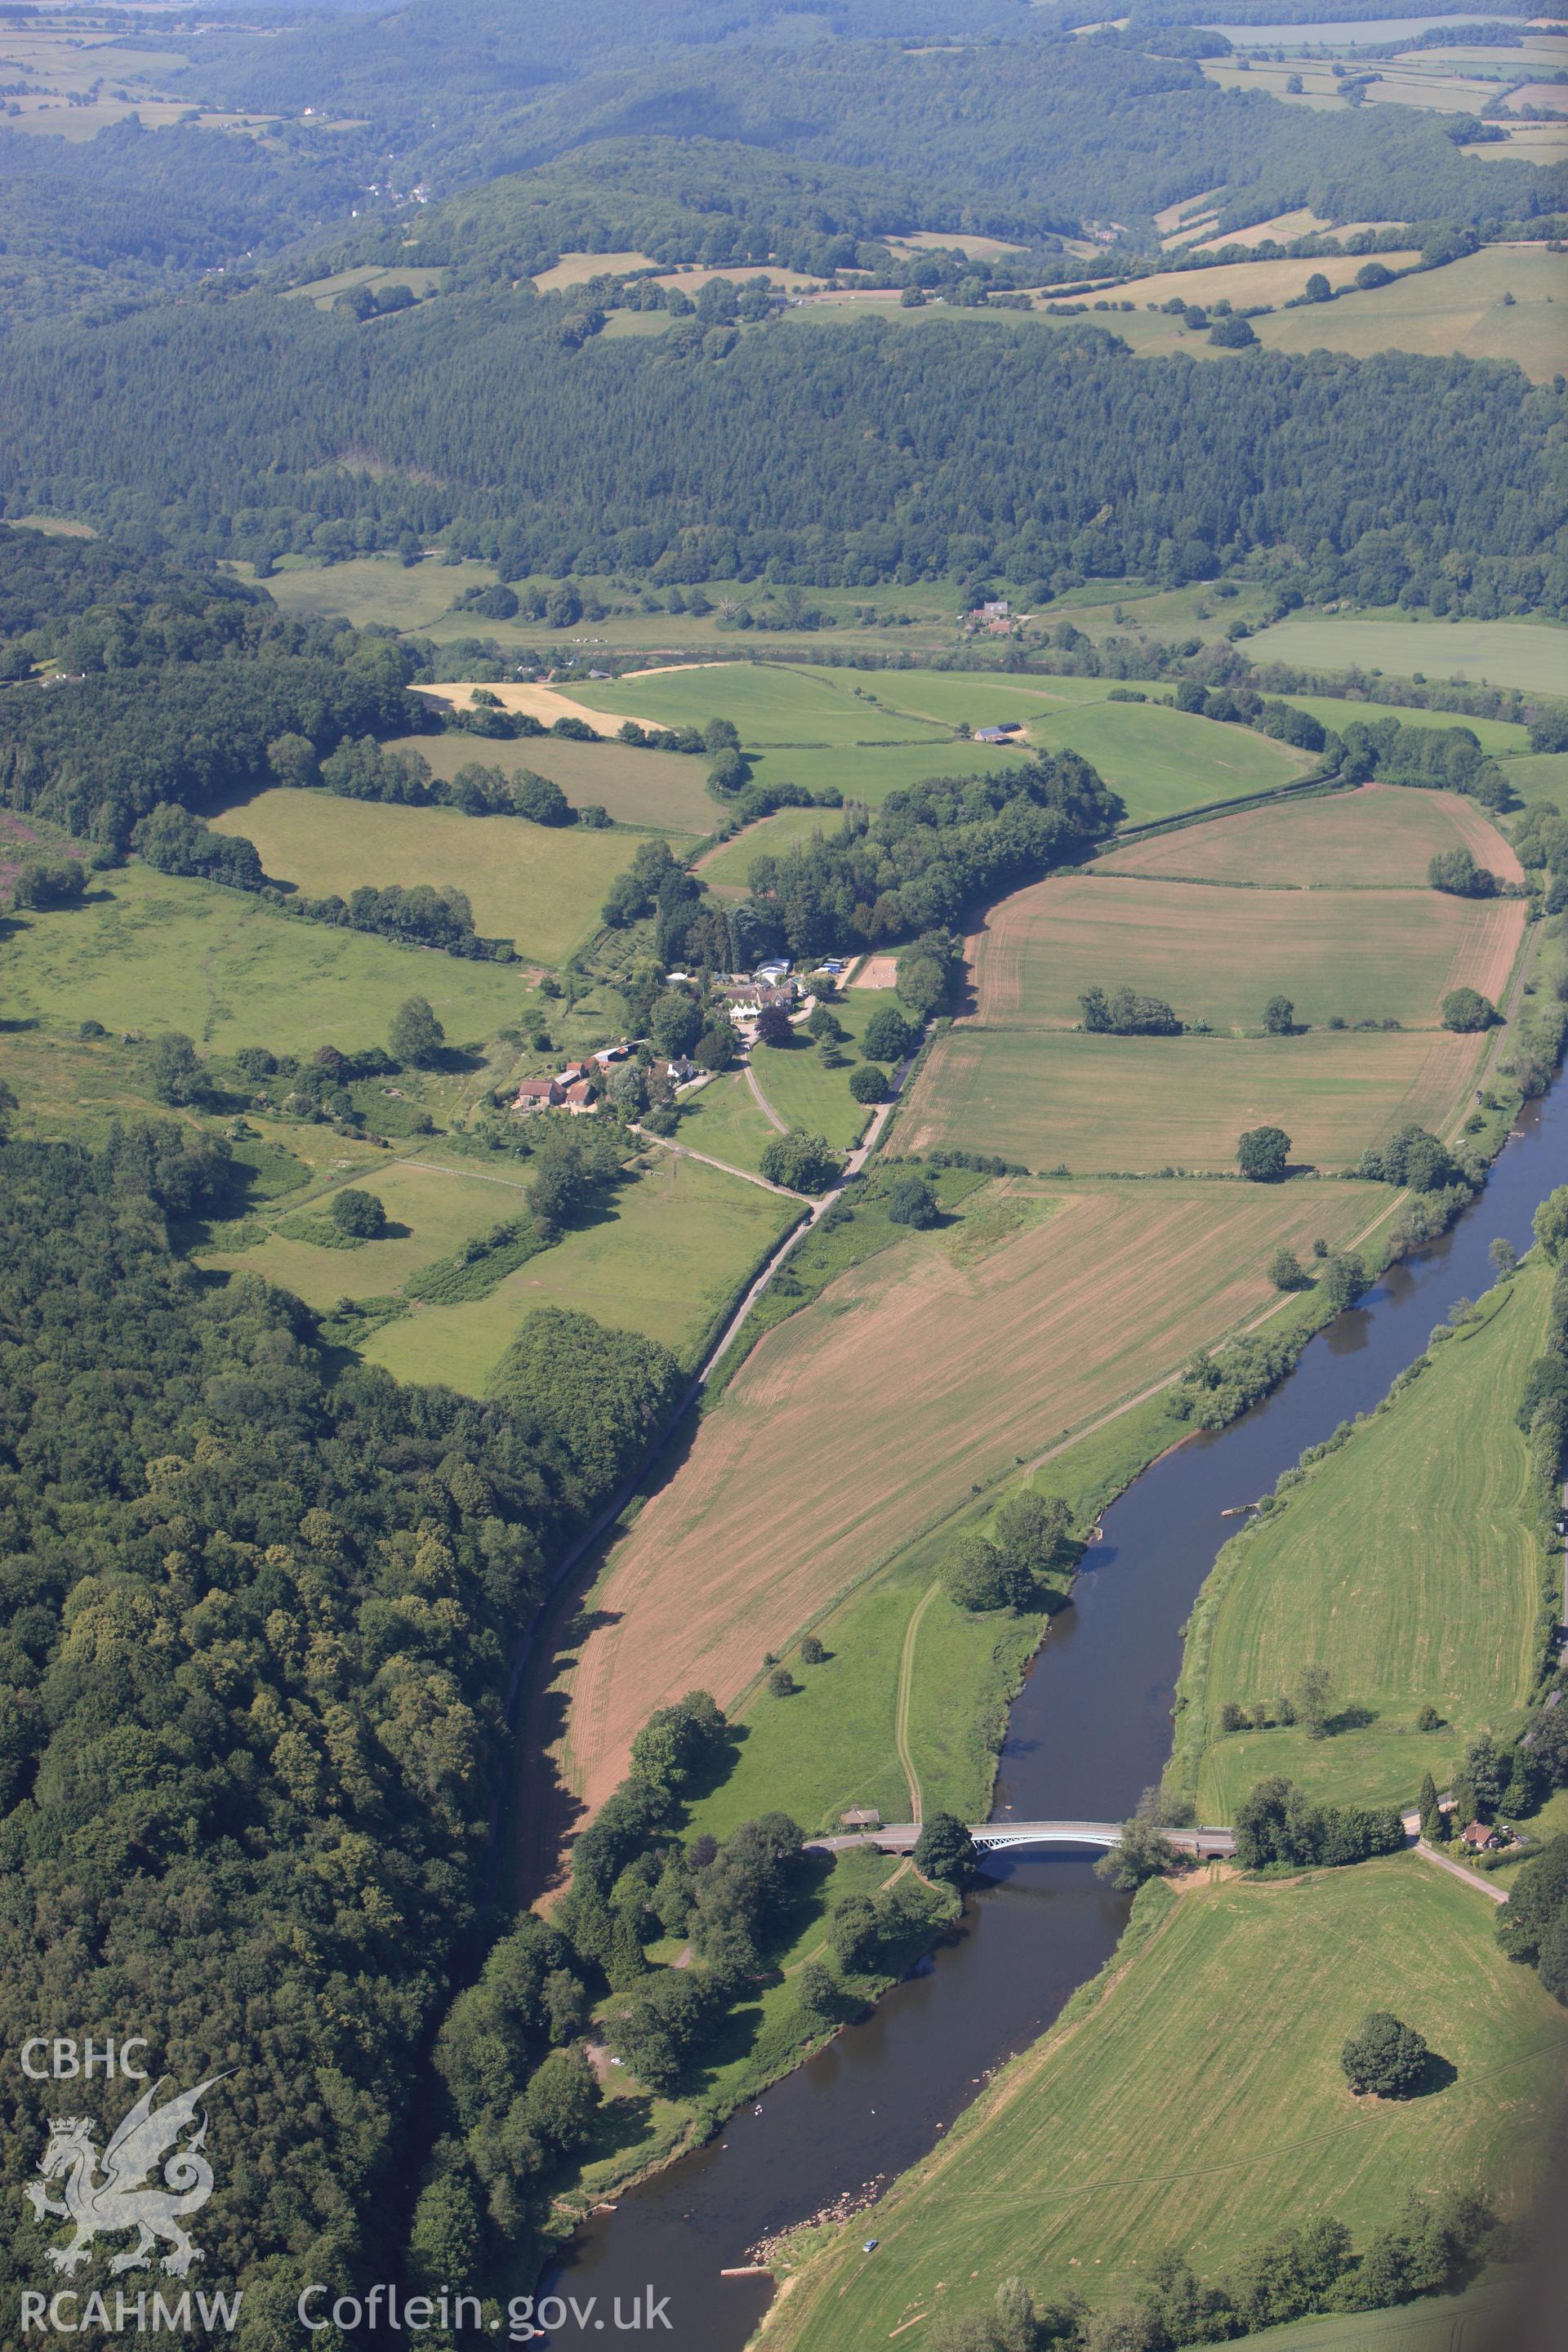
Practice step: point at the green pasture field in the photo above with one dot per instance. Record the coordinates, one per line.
(1540, 776)
(1151, 612)
(806, 1095)
(1528, 653)
(1128, 1103)
(918, 619)
(666, 789)
(835, 1743)
(772, 703)
(541, 887)
(1501, 737)
(67, 1086)
(323, 291)
(373, 588)
(1218, 954)
(661, 1258)
(1455, 309)
(870, 773)
(953, 698)
(1194, 2103)
(432, 1206)
(1405, 1565)
(1438, 2323)
(723, 1119)
(1163, 760)
(151, 952)
(727, 867)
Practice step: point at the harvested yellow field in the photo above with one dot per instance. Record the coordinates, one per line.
(577, 269)
(1218, 954)
(1113, 1104)
(1244, 283)
(1379, 834)
(546, 703)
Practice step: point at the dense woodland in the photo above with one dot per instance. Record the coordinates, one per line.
(868, 455)
(255, 1643)
(173, 686)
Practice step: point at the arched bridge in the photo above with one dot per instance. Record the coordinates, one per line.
(996, 1837)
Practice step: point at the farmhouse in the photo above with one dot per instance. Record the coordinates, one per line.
(539, 1094)
(1479, 1838)
(744, 1001)
(581, 1097)
(1001, 733)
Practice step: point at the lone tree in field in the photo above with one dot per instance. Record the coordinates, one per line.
(1285, 1271)
(812, 1652)
(174, 1071)
(1278, 1017)
(1263, 1154)
(782, 1684)
(945, 1849)
(774, 1027)
(1467, 1010)
(416, 1035)
(912, 1202)
(1314, 1697)
(1385, 2057)
(358, 1214)
(866, 1083)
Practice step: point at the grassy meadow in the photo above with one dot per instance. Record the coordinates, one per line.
(370, 587)
(771, 703)
(1501, 737)
(1531, 655)
(1458, 309)
(835, 1742)
(723, 1119)
(1198, 2104)
(541, 887)
(1163, 760)
(663, 789)
(150, 952)
(433, 1207)
(662, 1258)
(1219, 954)
(1116, 1105)
(1540, 776)
(1404, 1565)
(804, 1092)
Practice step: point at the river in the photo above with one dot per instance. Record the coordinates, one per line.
(1090, 1729)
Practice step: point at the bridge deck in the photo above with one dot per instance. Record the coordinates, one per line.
(900, 1837)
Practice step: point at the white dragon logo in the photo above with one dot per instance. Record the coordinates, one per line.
(118, 2200)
